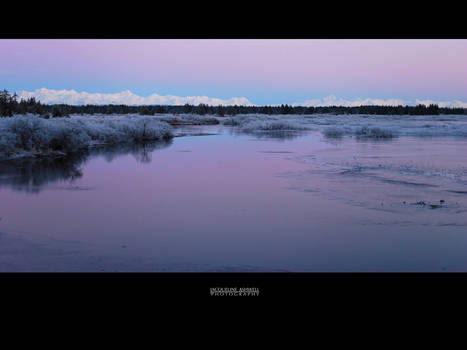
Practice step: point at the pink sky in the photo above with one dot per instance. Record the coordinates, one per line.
(264, 71)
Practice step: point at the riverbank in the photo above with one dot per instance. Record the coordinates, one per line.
(24, 136)
(31, 136)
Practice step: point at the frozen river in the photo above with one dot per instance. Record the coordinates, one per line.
(229, 201)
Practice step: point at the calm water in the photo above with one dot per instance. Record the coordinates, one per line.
(230, 202)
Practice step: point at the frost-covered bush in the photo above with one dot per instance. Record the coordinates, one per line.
(103, 130)
(259, 124)
(240, 120)
(67, 136)
(8, 142)
(231, 121)
(274, 125)
(192, 119)
(333, 132)
(29, 133)
(147, 128)
(374, 132)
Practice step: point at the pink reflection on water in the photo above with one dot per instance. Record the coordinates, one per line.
(227, 200)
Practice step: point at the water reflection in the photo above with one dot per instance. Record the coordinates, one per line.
(33, 175)
(376, 140)
(337, 138)
(277, 135)
(141, 151)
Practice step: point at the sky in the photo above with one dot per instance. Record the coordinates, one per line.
(260, 72)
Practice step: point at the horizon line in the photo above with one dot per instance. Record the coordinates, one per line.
(128, 98)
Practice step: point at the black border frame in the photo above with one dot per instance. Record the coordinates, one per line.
(235, 21)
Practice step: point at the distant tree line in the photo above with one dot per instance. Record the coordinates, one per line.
(9, 105)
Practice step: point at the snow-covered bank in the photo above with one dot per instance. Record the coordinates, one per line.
(368, 126)
(31, 135)
(250, 123)
(363, 132)
(188, 119)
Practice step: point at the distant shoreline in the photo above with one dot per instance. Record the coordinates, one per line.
(9, 105)
(63, 110)
(39, 136)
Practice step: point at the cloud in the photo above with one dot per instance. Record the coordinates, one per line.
(72, 97)
(334, 101)
(455, 103)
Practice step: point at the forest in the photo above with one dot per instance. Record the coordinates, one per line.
(9, 105)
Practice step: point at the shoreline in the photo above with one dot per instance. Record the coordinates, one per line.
(63, 136)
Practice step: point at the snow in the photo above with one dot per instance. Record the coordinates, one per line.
(23, 134)
(251, 123)
(355, 125)
(191, 119)
(28, 134)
